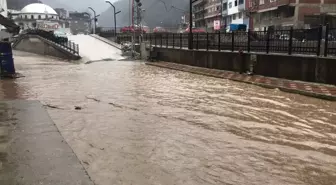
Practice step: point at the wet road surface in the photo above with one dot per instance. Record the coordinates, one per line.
(101, 50)
(145, 125)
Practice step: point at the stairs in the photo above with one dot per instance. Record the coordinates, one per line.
(38, 44)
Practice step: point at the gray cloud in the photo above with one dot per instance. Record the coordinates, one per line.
(156, 11)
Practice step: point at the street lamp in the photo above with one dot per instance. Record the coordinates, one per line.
(115, 20)
(95, 20)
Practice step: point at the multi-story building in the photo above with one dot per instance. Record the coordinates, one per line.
(234, 12)
(282, 14)
(212, 13)
(80, 22)
(206, 13)
(63, 13)
(199, 13)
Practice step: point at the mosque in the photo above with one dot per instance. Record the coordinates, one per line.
(37, 15)
(42, 16)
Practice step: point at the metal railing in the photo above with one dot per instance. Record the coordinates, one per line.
(62, 41)
(330, 42)
(318, 41)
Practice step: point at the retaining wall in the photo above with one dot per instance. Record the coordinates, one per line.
(36, 44)
(304, 68)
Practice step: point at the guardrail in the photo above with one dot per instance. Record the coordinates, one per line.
(62, 41)
(318, 41)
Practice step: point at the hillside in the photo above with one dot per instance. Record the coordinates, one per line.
(19, 4)
(155, 13)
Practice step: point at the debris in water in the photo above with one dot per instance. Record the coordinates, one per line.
(94, 99)
(52, 106)
(102, 60)
(86, 163)
(78, 108)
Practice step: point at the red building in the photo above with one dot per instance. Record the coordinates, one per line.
(280, 14)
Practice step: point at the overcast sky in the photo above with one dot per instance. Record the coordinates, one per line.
(80, 5)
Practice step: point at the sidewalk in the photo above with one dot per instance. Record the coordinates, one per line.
(32, 151)
(322, 91)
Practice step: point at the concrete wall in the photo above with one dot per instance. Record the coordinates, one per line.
(304, 68)
(34, 44)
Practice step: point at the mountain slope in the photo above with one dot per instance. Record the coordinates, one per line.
(156, 13)
(19, 4)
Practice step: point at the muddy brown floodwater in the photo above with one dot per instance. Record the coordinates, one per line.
(144, 125)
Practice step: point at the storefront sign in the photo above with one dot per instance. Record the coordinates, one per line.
(47, 25)
(216, 25)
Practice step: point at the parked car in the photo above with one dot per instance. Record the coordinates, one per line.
(131, 29)
(159, 30)
(195, 30)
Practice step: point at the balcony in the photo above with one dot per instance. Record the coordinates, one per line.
(212, 14)
(198, 10)
(272, 5)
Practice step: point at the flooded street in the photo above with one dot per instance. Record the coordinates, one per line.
(145, 125)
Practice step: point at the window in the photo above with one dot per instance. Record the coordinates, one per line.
(225, 6)
(31, 16)
(261, 1)
(236, 4)
(241, 2)
(271, 1)
(26, 17)
(230, 5)
(240, 15)
(234, 17)
(39, 17)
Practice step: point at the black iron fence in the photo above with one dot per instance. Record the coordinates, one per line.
(62, 41)
(317, 41)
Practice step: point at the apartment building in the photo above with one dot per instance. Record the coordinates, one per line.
(212, 13)
(199, 14)
(206, 13)
(282, 14)
(234, 12)
(79, 22)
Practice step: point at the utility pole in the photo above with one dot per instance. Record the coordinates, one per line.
(190, 43)
(95, 20)
(115, 19)
(190, 36)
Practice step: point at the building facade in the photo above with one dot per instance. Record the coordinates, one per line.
(234, 12)
(283, 14)
(37, 15)
(80, 22)
(199, 14)
(212, 13)
(207, 13)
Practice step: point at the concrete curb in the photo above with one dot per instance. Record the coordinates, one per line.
(211, 73)
(118, 46)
